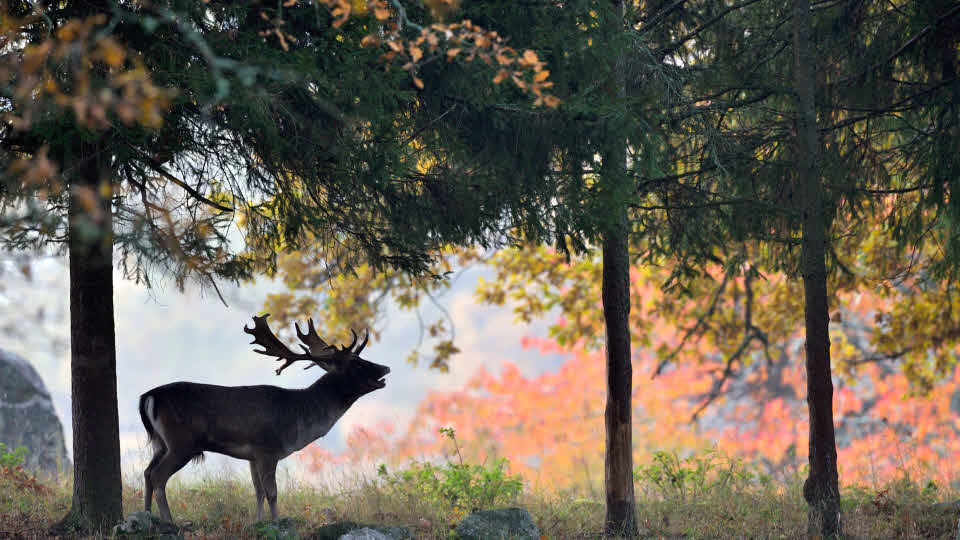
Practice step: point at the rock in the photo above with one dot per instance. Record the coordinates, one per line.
(27, 417)
(281, 529)
(343, 529)
(365, 533)
(146, 525)
(506, 523)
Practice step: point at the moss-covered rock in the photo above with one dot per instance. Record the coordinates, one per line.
(143, 525)
(335, 531)
(503, 523)
(280, 529)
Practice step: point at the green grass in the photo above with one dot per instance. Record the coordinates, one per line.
(694, 498)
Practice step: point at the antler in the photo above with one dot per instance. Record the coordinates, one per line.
(363, 343)
(311, 339)
(352, 343)
(349, 348)
(272, 346)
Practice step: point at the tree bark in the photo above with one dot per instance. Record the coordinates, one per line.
(93, 368)
(618, 465)
(621, 517)
(821, 488)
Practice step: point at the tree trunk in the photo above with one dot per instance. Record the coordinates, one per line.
(93, 367)
(821, 489)
(621, 517)
(618, 470)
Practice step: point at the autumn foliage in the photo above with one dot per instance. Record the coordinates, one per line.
(550, 426)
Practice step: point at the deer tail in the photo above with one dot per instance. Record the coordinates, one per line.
(146, 408)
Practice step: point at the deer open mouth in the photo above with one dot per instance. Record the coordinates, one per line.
(381, 382)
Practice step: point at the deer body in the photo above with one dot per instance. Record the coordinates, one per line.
(262, 424)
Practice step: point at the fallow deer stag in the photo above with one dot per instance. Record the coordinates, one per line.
(262, 424)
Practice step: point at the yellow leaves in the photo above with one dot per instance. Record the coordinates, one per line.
(111, 53)
(38, 172)
(452, 53)
(442, 8)
(105, 189)
(418, 82)
(381, 13)
(360, 7)
(501, 76)
(70, 55)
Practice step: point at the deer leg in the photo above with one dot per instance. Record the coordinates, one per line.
(169, 464)
(148, 478)
(257, 488)
(268, 483)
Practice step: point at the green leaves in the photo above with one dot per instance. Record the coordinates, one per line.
(458, 488)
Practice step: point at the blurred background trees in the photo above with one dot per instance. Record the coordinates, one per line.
(362, 151)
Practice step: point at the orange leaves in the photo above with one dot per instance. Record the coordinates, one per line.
(461, 40)
(127, 90)
(416, 53)
(340, 9)
(38, 172)
(550, 426)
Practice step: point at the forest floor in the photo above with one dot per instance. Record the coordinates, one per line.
(672, 506)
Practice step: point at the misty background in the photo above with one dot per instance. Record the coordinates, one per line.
(164, 335)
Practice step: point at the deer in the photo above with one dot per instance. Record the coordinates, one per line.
(261, 424)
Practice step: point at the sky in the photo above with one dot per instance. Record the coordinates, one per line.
(164, 335)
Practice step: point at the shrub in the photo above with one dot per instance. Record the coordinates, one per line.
(697, 475)
(456, 486)
(10, 459)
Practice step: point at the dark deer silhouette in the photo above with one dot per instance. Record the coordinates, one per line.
(262, 424)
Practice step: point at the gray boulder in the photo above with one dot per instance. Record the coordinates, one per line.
(146, 525)
(365, 533)
(27, 417)
(503, 523)
(344, 529)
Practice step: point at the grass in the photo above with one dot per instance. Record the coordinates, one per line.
(224, 508)
(725, 501)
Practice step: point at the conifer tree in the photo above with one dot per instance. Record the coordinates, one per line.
(150, 129)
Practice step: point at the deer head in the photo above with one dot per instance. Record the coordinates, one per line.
(344, 361)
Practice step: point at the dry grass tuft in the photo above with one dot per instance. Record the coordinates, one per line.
(747, 506)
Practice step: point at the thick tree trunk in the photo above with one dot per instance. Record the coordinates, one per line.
(821, 489)
(93, 367)
(621, 506)
(621, 517)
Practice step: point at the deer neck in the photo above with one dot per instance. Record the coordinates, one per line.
(323, 403)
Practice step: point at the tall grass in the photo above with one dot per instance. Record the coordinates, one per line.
(703, 496)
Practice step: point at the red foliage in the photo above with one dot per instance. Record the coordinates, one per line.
(550, 426)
